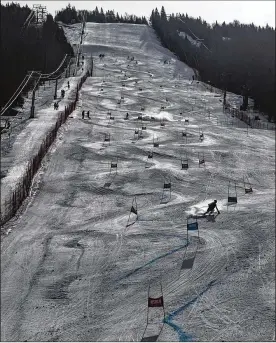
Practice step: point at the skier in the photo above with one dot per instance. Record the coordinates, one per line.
(211, 207)
(82, 114)
(62, 93)
(127, 115)
(68, 84)
(88, 114)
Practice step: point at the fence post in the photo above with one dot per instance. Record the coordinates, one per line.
(32, 106)
(55, 95)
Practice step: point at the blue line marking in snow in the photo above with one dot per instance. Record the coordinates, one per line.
(154, 260)
(183, 336)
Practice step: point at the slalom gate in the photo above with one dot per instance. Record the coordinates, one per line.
(184, 163)
(247, 185)
(149, 158)
(113, 166)
(133, 214)
(106, 139)
(155, 142)
(167, 191)
(192, 225)
(232, 193)
(201, 135)
(155, 314)
(184, 134)
(201, 159)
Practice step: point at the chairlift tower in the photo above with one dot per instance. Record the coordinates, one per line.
(40, 14)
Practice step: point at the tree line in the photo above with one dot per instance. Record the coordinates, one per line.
(70, 15)
(40, 48)
(236, 57)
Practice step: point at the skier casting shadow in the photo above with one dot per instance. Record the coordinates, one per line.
(211, 207)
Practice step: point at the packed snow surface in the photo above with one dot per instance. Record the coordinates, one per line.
(72, 270)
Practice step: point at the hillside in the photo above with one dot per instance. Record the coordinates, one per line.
(244, 63)
(79, 265)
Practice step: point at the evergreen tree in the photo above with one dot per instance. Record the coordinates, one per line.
(163, 14)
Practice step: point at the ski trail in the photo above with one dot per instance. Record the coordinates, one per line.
(152, 261)
(182, 335)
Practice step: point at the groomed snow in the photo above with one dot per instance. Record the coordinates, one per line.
(72, 270)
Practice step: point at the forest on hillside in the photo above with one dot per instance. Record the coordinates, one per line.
(70, 15)
(40, 48)
(237, 57)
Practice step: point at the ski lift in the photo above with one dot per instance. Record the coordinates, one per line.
(247, 185)
(233, 198)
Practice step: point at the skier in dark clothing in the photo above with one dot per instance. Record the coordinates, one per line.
(82, 114)
(211, 207)
(88, 114)
(68, 84)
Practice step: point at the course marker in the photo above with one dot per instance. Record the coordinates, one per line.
(167, 188)
(133, 210)
(155, 310)
(201, 159)
(232, 192)
(247, 185)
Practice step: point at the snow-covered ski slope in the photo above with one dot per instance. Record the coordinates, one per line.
(71, 268)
